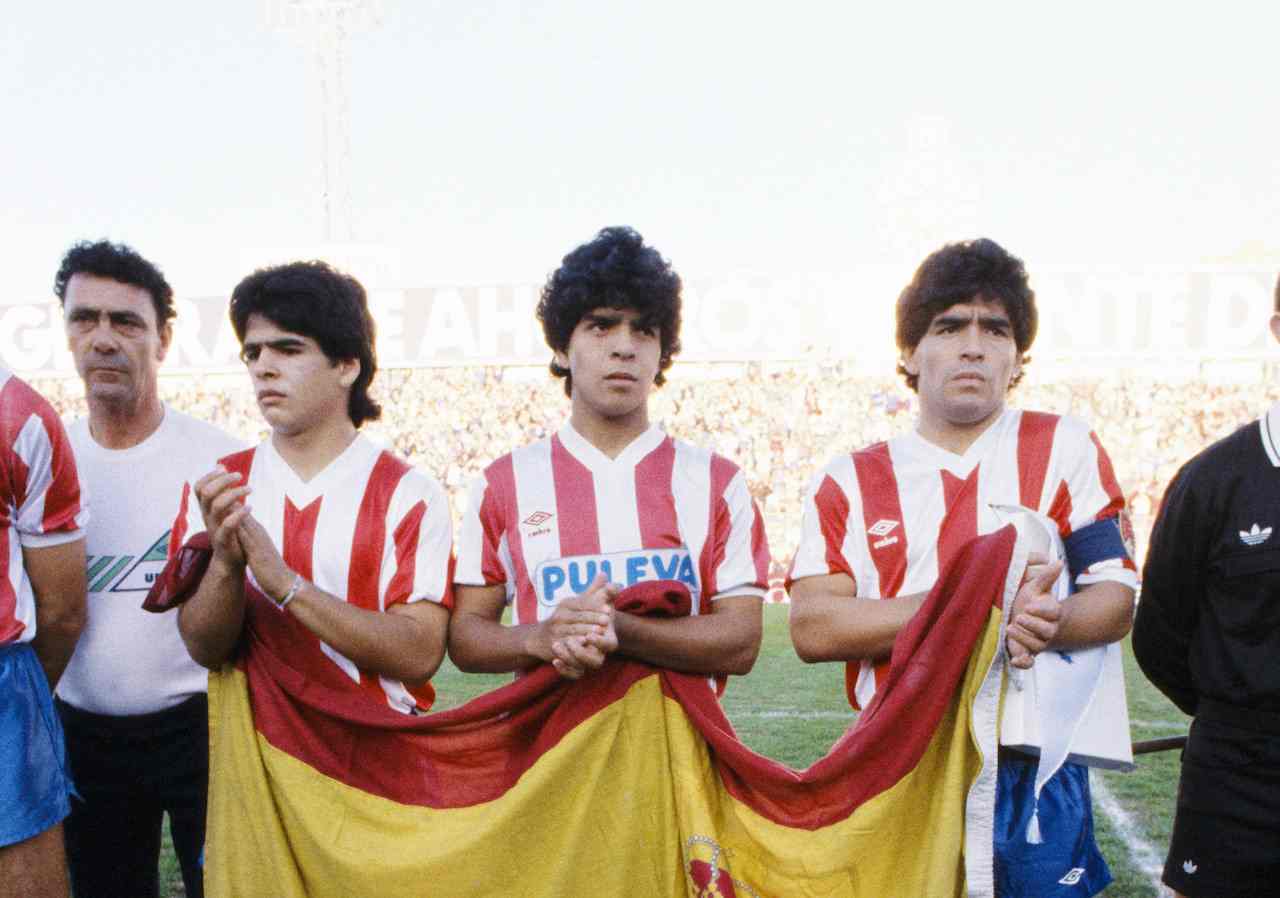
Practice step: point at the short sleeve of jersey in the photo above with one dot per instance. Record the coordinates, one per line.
(1089, 492)
(50, 503)
(824, 524)
(417, 562)
(741, 566)
(483, 557)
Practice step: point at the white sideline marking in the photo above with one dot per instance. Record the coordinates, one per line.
(1141, 852)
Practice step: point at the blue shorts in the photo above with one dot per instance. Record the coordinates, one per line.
(1067, 864)
(34, 785)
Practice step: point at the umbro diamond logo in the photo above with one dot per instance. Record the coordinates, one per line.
(882, 527)
(538, 517)
(1189, 867)
(1255, 537)
(1073, 876)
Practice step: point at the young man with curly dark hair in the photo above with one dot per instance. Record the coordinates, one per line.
(557, 528)
(329, 548)
(882, 523)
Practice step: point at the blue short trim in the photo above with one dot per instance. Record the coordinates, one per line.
(1067, 864)
(34, 785)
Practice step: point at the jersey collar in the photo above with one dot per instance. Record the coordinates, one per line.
(593, 458)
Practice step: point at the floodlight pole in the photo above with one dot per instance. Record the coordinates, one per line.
(326, 26)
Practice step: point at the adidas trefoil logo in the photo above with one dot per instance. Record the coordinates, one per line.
(1190, 866)
(1254, 536)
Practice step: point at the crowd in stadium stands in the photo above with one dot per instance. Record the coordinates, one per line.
(781, 423)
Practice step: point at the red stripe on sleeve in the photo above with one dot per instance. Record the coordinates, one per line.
(499, 498)
(1035, 446)
(406, 543)
(833, 519)
(718, 529)
(655, 504)
(1110, 485)
(62, 499)
(499, 516)
(1060, 509)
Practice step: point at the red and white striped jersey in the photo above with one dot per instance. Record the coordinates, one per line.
(40, 499)
(369, 529)
(546, 518)
(892, 515)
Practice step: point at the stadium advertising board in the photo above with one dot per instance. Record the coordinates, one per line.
(1166, 314)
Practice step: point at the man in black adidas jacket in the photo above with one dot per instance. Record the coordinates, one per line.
(1207, 634)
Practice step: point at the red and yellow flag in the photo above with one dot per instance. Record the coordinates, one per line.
(629, 782)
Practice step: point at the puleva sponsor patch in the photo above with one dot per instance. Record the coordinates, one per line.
(557, 579)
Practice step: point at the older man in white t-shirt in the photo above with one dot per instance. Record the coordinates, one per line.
(132, 701)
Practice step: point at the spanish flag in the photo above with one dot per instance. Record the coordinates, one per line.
(628, 782)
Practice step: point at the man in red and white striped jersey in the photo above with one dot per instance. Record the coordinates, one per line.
(558, 527)
(42, 611)
(332, 551)
(881, 523)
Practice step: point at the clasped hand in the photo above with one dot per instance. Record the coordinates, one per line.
(239, 540)
(1037, 614)
(580, 633)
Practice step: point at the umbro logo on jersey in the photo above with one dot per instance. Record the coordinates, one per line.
(1189, 867)
(1255, 537)
(535, 522)
(882, 527)
(1073, 876)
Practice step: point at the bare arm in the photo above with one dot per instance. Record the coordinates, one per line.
(57, 575)
(480, 643)
(1096, 615)
(829, 622)
(726, 641)
(405, 643)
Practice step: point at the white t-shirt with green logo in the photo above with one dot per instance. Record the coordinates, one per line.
(130, 661)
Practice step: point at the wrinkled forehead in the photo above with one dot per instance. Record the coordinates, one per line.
(104, 294)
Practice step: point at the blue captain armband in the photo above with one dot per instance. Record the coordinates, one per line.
(1100, 541)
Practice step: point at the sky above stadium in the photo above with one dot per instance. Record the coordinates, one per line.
(488, 138)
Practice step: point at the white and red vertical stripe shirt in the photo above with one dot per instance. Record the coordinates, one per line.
(368, 529)
(892, 515)
(40, 497)
(544, 519)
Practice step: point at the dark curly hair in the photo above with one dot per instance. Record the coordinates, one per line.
(616, 270)
(958, 273)
(118, 262)
(317, 301)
